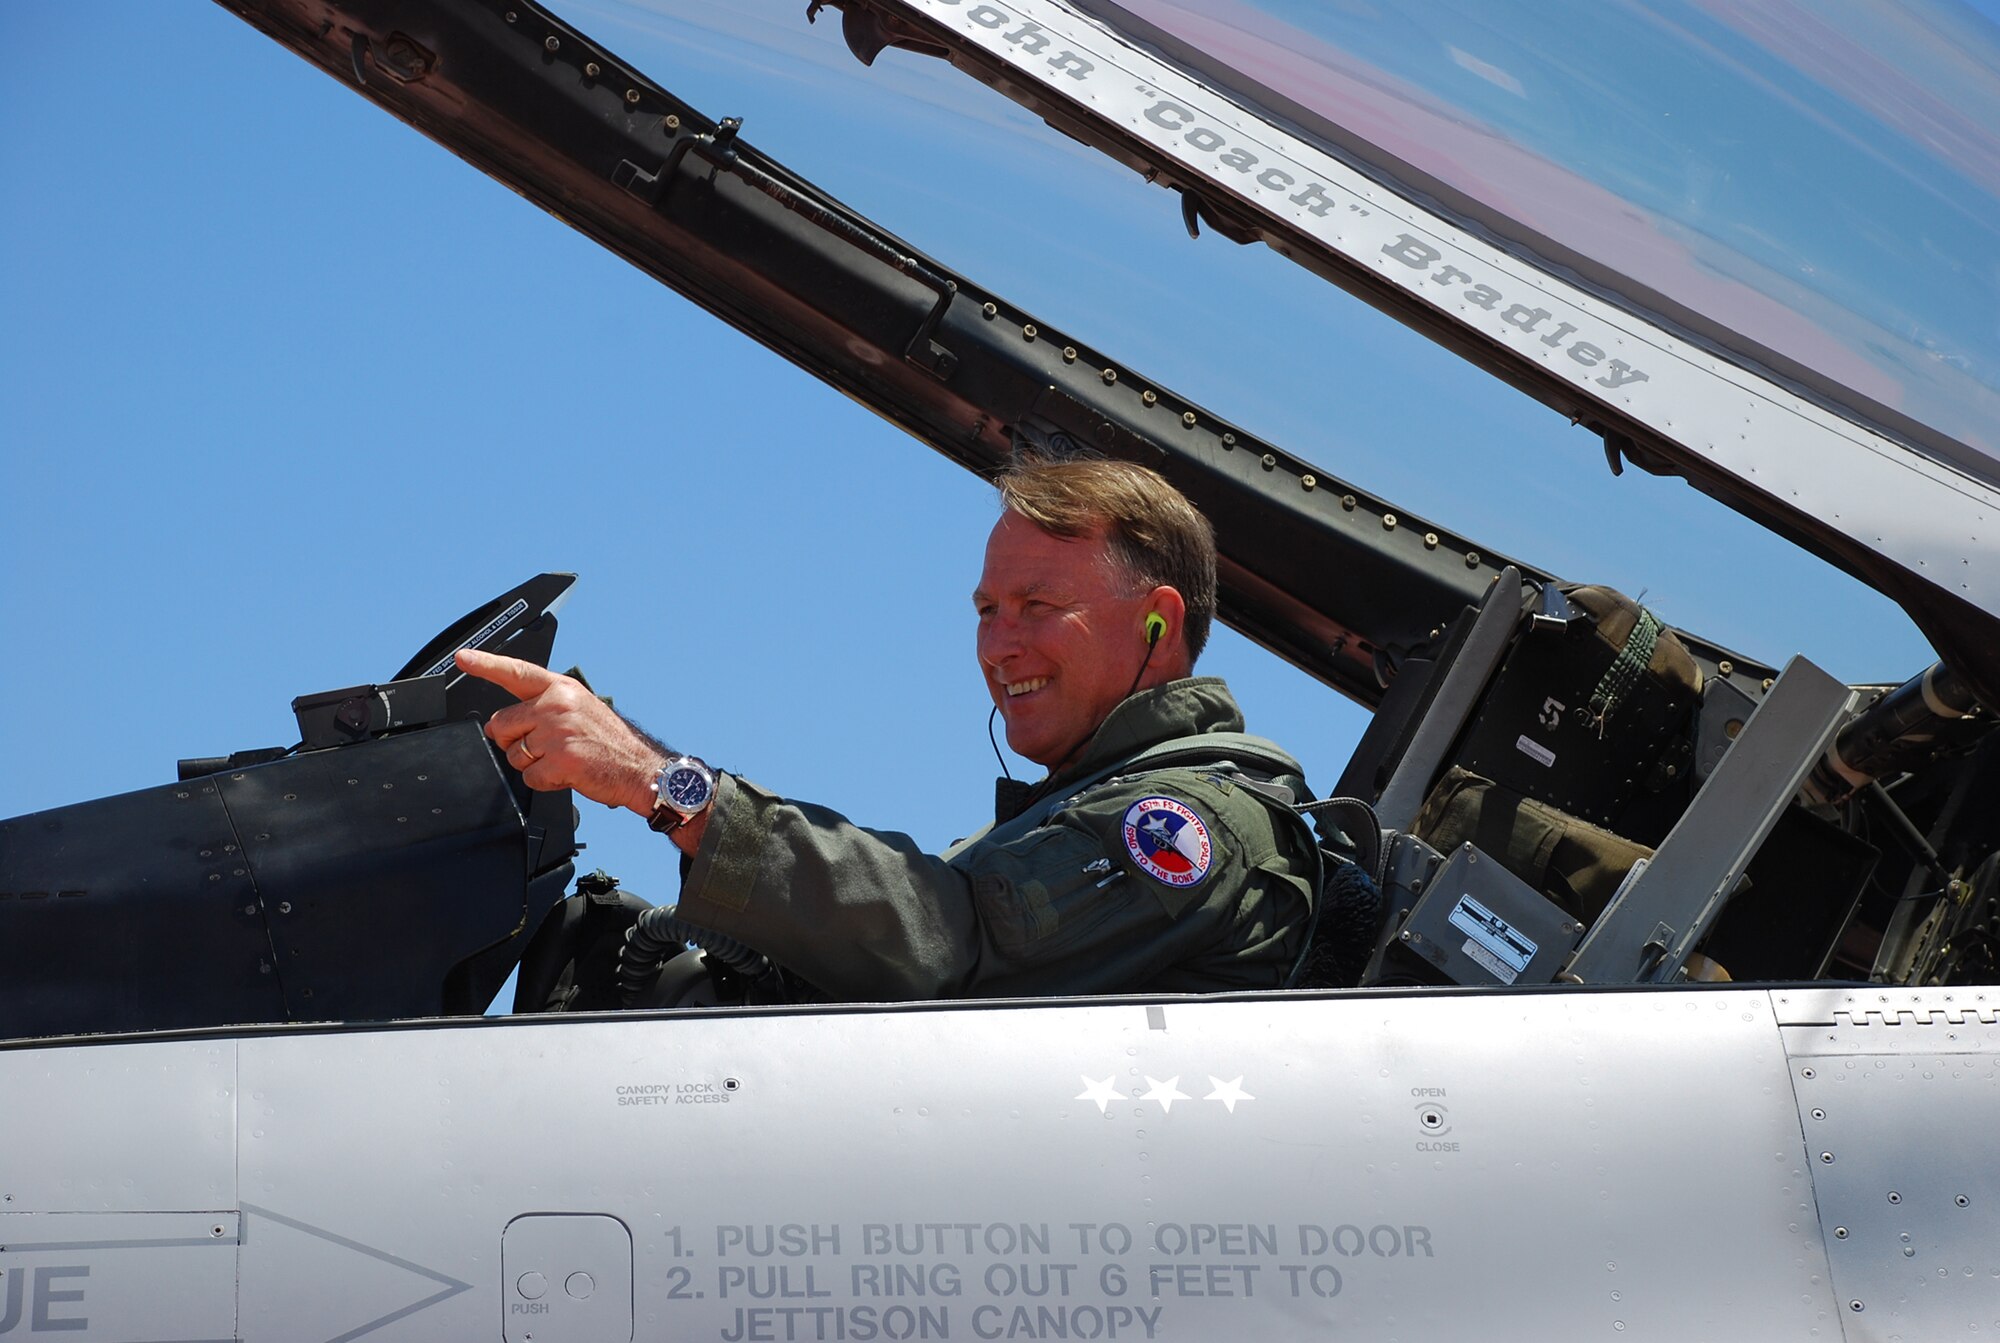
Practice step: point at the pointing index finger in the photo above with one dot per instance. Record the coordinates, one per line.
(522, 680)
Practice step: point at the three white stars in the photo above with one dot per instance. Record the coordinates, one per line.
(1166, 1093)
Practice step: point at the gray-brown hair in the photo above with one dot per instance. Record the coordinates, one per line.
(1155, 535)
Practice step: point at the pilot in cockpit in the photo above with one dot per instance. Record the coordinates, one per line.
(1159, 854)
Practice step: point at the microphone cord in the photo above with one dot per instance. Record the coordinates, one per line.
(996, 744)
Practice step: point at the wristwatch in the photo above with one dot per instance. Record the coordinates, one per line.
(681, 791)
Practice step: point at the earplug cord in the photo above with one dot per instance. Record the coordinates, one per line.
(1155, 627)
(996, 744)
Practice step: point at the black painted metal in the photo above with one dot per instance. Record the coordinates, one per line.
(347, 883)
(1455, 705)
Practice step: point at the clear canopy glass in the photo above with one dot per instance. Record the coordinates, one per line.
(1811, 189)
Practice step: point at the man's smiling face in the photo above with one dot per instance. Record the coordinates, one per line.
(1061, 636)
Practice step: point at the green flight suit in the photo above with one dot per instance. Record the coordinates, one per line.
(1063, 906)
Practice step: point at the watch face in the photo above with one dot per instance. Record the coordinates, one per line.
(686, 788)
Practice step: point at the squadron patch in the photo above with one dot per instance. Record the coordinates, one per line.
(1168, 841)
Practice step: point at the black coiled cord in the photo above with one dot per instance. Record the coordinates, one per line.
(660, 934)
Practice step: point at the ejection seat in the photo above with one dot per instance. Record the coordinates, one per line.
(1568, 793)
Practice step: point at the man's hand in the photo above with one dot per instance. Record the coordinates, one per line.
(562, 736)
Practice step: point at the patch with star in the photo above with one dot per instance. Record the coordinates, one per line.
(1168, 841)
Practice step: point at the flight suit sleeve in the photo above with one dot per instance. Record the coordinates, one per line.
(1068, 907)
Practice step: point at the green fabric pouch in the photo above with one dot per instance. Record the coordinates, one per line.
(1571, 861)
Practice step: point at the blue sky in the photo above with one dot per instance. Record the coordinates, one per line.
(285, 388)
